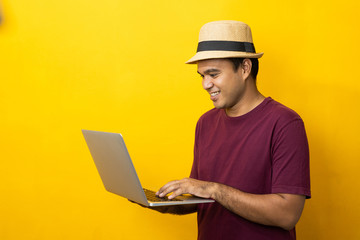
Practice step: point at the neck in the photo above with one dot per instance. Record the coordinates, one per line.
(250, 100)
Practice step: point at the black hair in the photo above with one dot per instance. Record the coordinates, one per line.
(254, 69)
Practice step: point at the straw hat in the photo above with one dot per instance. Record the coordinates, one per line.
(225, 39)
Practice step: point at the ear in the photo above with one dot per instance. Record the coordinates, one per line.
(246, 68)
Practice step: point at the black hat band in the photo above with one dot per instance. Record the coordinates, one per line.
(226, 46)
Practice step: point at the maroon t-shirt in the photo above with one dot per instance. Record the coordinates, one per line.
(264, 151)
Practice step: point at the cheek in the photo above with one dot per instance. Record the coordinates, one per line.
(222, 83)
(229, 85)
(234, 92)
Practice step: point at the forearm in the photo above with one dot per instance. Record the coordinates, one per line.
(281, 210)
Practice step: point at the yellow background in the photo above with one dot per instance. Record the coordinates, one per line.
(118, 66)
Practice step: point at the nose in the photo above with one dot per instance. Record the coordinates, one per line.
(207, 83)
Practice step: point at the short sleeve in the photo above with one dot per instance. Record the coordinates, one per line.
(290, 160)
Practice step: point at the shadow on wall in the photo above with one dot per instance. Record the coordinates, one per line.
(1, 14)
(7, 18)
(313, 216)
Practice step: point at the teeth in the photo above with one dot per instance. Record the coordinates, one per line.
(214, 93)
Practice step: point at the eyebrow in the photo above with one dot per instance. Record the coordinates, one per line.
(208, 71)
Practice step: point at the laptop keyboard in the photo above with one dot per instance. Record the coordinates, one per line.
(151, 196)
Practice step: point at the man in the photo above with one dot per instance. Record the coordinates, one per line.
(251, 153)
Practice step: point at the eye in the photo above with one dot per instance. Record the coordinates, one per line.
(213, 75)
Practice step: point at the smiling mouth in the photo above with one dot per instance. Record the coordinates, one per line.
(213, 94)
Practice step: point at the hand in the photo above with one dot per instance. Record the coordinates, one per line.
(175, 209)
(187, 186)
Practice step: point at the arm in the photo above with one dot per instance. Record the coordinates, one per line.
(281, 210)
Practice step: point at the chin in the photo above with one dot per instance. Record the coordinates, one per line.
(218, 106)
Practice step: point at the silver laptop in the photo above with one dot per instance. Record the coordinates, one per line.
(118, 174)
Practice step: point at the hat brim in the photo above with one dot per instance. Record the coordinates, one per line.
(204, 55)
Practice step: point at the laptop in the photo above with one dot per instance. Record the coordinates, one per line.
(118, 174)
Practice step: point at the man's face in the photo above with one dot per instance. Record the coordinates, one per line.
(225, 86)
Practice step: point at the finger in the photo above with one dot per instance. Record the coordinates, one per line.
(177, 193)
(178, 187)
(165, 187)
(171, 188)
